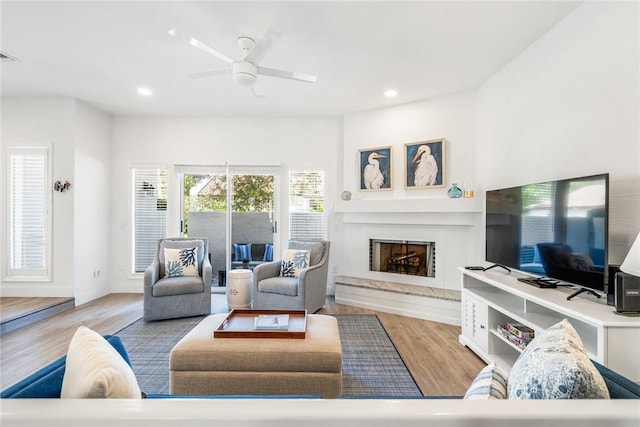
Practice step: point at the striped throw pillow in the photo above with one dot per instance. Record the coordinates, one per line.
(489, 384)
(242, 252)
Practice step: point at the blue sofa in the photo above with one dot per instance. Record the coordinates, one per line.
(47, 382)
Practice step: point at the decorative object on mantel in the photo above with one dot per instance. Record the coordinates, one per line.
(346, 195)
(376, 169)
(424, 164)
(454, 192)
(468, 187)
(61, 186)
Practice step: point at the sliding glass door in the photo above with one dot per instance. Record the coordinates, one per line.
(235, 208)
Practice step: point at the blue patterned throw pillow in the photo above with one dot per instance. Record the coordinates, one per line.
(181, 262)
(293, 262)
(555, 365)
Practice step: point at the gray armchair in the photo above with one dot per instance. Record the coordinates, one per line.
(172, 297)
(307, 291)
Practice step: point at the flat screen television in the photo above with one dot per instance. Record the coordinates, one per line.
(555, 231)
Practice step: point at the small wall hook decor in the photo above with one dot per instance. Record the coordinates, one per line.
(61, 186)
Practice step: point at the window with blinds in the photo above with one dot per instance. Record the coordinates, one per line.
(538, 219)
(29, 210)
(149, 214)
(306, 205)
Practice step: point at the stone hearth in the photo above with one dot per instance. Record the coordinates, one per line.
(424, 302)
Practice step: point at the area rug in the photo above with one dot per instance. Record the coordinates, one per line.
(371, 365)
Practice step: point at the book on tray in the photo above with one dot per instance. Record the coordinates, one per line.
(272, 321)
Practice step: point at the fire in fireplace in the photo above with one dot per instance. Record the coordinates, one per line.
(403, 257)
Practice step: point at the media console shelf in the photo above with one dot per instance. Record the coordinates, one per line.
(492, 298)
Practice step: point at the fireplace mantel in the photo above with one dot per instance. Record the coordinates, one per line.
(443, 212)
(441, 205)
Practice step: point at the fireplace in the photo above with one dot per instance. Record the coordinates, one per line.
(403, 257)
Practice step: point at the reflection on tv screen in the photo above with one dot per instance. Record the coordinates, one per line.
(555, 229)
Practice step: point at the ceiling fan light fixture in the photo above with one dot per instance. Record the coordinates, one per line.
(244, 74)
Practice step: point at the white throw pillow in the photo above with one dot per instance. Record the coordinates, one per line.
(181, 262)
(293, 262)
(555, 365)
(490, 383)
(94, 369)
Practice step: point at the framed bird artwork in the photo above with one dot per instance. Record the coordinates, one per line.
(376, 169)
(424, 164)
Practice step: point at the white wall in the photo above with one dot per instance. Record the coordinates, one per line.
(568, 106)
(92, 206)
(45, 121)
(451, 117)
(297, 144)
(80, 139)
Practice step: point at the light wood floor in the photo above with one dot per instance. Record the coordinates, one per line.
(438, 363)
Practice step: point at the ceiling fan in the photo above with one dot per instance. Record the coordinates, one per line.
(246, 70)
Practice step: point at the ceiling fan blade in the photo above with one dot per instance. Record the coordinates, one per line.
(202, 46)
(263, 46)
(209, 73)
(258, 90)
(273, 72)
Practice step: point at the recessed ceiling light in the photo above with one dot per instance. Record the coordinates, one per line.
(144, 91)
(390, 93)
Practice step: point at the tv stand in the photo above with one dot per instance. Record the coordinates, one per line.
(493, 298)
(497, 265)
(579, 291)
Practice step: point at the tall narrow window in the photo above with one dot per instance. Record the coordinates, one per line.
(149, 214)
(29, 238)
(306, 205)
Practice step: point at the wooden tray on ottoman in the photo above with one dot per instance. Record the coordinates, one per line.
(240, 324)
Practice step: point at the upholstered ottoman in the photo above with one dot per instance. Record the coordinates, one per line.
(203, 365)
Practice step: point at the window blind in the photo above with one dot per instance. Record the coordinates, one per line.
(149, 214)
(306, 205)
(28, 219)
(538, 216)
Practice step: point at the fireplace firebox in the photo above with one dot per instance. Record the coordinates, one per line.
(403, 257)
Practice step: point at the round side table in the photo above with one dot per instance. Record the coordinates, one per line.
(239, 284)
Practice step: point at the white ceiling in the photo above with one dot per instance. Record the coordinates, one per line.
(100, 52)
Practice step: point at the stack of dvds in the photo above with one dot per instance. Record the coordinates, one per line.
(519, 335)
